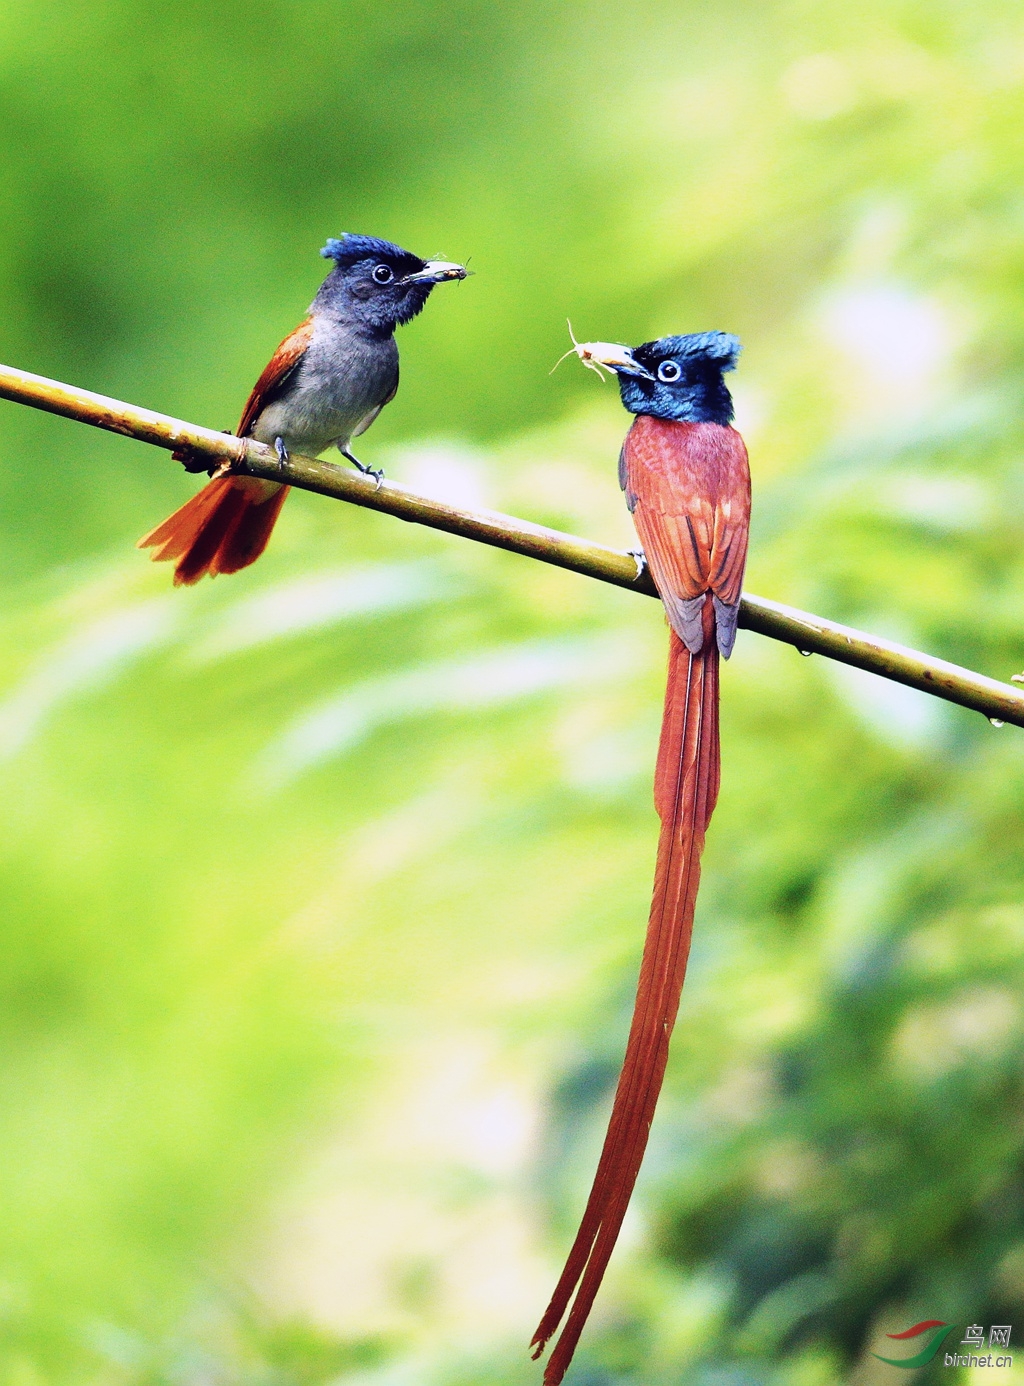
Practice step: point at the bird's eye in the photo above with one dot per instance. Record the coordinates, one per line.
(669, 371)
(383, 274)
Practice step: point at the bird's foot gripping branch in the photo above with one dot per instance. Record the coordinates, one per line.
(325, 384)
(684, 472)
(1000, 702)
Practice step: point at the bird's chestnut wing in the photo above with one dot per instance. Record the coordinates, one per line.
(688, 486)
(277, 370)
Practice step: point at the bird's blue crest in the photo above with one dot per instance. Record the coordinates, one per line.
(354, 291)
(349, 248)
(721, 348)
(696, 392)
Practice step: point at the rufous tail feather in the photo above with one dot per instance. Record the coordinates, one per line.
(223, 528)
(685, 790)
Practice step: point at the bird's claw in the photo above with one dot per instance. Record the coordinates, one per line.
(282, 453)
(640, 559)
(376, 472)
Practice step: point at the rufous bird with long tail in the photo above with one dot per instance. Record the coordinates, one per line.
(684, 470)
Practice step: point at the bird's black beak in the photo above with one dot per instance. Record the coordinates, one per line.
(436, 272)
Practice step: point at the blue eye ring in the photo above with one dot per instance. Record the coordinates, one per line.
(669, 372)
(383, 274)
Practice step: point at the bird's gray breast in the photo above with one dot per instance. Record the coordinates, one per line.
(342, 378)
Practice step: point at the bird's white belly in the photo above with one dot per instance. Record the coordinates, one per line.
(341, 381)
(308, 422)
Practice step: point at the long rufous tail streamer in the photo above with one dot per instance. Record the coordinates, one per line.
(685, 790)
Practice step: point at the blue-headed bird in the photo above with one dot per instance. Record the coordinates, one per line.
(324, 385)
(684, 470)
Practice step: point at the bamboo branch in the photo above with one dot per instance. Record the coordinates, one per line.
(1000, 702)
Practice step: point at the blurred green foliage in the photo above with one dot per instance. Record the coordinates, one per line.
(323, 886)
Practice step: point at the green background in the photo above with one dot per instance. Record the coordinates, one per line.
(323, 885)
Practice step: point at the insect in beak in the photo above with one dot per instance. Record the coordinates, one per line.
(603, 356)
(436, 272)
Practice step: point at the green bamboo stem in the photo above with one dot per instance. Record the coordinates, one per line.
(810, 634)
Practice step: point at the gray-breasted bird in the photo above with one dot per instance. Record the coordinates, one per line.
(324, 385)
